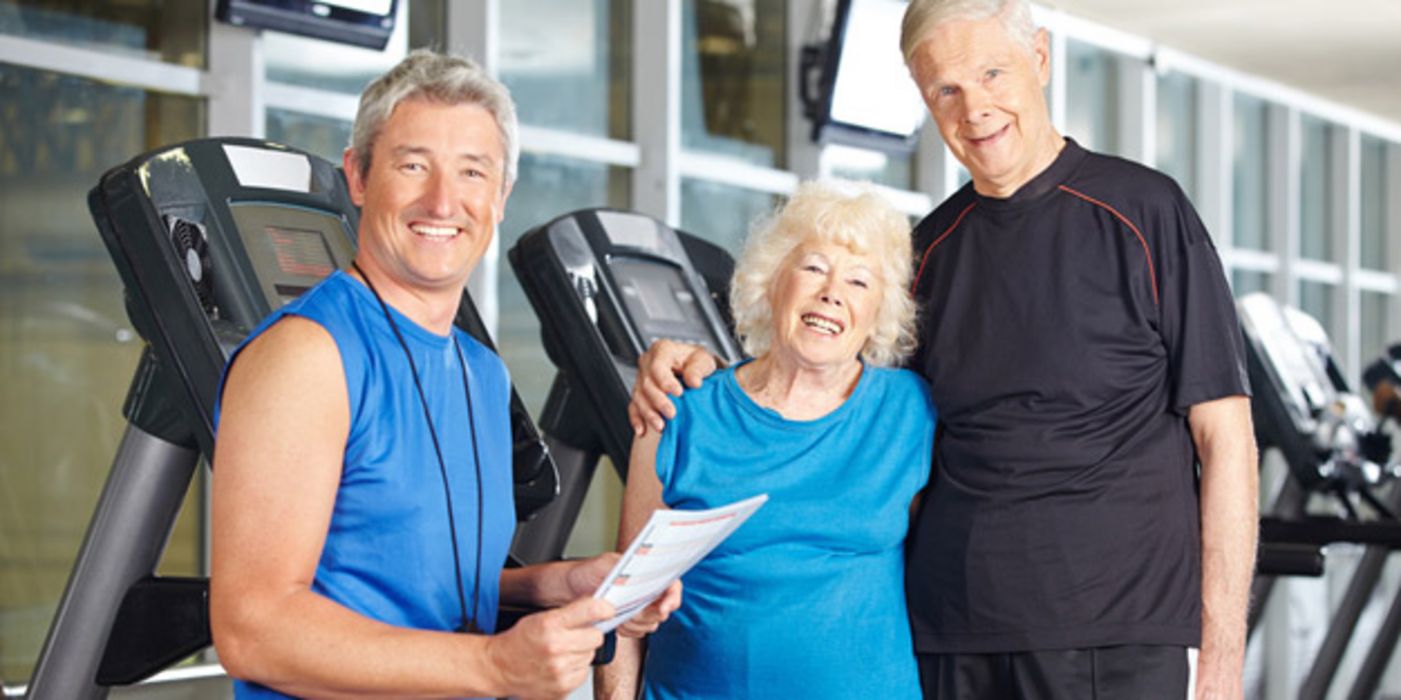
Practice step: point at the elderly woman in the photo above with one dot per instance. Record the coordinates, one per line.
(806, 599)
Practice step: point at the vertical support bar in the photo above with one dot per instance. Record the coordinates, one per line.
(936, 170)
(1343, 622)
(656, 108)
(235, 81)
(473, 29)
(1057, 98)
(1284, 156)
(1369, 676)
(808, 22)
(1345, 218)
(1137, 109)
(128, 532)
(1215, 128)
(1391, 219)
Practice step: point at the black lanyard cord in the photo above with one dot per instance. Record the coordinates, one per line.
(469, 623)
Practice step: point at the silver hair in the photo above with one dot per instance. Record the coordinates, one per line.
(436, 77)
(842, 213)
(922, 17)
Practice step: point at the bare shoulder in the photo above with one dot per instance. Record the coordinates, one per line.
(289, 379)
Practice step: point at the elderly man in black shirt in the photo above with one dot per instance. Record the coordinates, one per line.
(1082, 347)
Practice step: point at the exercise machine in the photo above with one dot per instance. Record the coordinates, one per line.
(1333, 445)
(606, 284)
(208, 236)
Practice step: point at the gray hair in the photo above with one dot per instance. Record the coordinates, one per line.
(922, 17)
(862, 221)
(442, 78)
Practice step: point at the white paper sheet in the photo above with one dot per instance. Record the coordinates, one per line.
(668, 546)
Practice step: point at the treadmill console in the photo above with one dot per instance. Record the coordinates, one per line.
(1302, 404)
(607, 284)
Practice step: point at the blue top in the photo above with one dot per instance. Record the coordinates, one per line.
(806, 599)
(388, 553)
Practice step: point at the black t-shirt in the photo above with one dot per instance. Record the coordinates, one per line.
(1065, 332)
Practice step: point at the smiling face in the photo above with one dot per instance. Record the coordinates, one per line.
(984, 90)
(824, 299)
(432, 196)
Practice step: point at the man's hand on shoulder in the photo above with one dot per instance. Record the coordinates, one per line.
(660, 372)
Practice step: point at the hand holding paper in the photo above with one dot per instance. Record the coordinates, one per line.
(668, 546)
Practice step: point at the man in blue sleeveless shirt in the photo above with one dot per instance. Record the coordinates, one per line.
(362, 485)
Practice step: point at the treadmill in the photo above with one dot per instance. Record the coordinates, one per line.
(209, 236)
(606, 284)
(1335, 447)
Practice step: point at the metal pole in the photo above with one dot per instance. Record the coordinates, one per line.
(1370, 675)
(124, 542)
(1340, 630)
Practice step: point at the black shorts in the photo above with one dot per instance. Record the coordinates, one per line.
(1107, 673)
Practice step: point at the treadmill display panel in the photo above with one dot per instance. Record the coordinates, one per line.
(660, 302)
(291, 248)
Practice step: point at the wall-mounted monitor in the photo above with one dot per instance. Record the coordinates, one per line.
(366, 23)
(863, 95)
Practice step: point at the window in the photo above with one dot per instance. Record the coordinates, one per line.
(1376, 309)
(324, 65)
(1316, 300)
(1249, 175)
(1375, 247)
(322, 136)
(886, 169)
(67, 349)
(1092, 97)
(1177, 129)
(1245, 282)
(173, 32)
(734, 74)
(1316, 182)
(722, 214)
(578, 80)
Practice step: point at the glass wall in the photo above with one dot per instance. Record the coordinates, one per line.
(733, 63)
(1092, 97)
(1245, 282)
(323, 65)
(1249, 174)
(322, 136)
(722, 214)
(1377, 321)
(1375, 246)
(1177, 129)
(172, 32)
(578, 80)
(891, 170)
(1316, 300)
(67, 350)
(1316, 235)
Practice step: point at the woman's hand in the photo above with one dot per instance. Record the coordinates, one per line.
(586, 575)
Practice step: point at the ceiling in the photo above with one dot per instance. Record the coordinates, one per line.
(1345, 51)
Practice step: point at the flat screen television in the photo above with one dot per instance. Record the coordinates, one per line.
(865, 96)
(366, 23)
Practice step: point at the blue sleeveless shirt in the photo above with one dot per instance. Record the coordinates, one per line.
(388, 552)
(807, 598)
